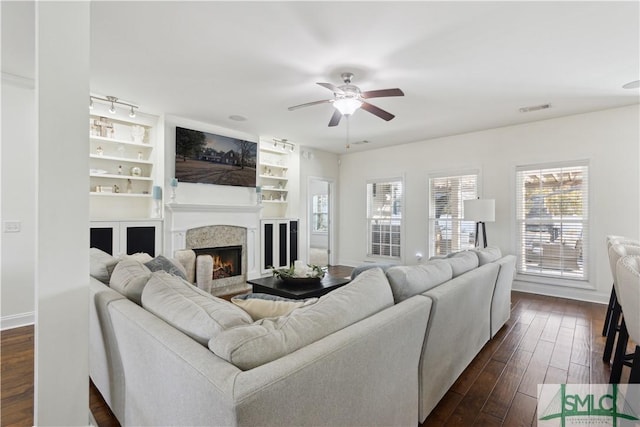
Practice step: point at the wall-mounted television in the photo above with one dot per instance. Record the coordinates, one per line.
(207, 158)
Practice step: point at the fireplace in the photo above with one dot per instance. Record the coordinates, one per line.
(227, 260)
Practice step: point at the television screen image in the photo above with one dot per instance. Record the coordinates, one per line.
(207, 158)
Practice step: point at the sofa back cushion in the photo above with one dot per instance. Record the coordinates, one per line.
(194, 312)
(129, 278)
(462, 262)
(409, 280)
(269, 339)
(488, 254)
(101, 265)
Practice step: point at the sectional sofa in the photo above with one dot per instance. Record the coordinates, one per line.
(382, 350)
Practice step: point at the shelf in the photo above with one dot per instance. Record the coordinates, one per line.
(280, 202)
(120, 159)
(118, 141)
(273, 150)
(94, 193)
(271, 165)
(280, 178)
(121, 119)
(281, 190)
(112, 176)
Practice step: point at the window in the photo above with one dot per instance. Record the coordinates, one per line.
(552, 219)
(320, 212)
(447, 231)
(384, 217)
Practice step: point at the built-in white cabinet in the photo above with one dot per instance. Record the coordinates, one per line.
(279, 239)
(127, 237)
(122, 161)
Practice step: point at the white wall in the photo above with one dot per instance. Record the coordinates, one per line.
(608, 139)
(316, 164)
(18, 200)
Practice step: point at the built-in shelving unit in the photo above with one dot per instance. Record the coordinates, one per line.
(273, 171)
(122, 164)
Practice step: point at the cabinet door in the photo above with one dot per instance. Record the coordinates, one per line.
(141, 236)
(279, 243)
(105, 236)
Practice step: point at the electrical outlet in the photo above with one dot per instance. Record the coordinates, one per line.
(12, 226)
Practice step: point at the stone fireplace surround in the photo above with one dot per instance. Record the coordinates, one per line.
(190, 226)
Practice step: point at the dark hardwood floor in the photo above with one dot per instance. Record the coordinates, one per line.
(547, 340)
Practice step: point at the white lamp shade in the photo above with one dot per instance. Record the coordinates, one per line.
(480, 210)
(347, 106)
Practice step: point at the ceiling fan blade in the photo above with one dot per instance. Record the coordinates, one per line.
(385, 115)
(382, 93)
(335, 119)
(309, 104)
(331, 87)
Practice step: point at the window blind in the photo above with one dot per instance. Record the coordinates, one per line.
(384, 218)
(552, 219)
(448, 232)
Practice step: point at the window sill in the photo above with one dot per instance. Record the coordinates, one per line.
(554, 281)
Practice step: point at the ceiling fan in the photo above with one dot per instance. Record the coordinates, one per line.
(347, 98)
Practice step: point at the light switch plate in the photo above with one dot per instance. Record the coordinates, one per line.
(12, 226)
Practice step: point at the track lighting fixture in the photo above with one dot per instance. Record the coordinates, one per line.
(112, 101)
(284, 144)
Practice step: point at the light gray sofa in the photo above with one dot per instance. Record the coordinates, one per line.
(393, 345)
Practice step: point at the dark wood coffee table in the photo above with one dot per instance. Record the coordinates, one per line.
(274, 286)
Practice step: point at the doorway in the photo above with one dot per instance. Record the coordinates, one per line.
(319, 239)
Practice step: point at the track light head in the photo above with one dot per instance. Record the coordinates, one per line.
(132, 113)
(90, 103)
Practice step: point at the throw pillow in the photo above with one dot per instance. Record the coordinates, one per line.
(162, 263)
(191, 310)
(260, 306)
(138, 256)
(101, 265)
(129, 278)
(271, 338)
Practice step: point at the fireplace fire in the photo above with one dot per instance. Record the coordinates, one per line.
(227, 260)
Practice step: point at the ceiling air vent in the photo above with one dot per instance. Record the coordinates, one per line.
(364, 141)
(534, 108)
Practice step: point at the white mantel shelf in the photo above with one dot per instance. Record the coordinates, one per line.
(189, 207)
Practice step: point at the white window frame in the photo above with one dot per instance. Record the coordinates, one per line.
(397, 220)
(550, 277)
(431, 209)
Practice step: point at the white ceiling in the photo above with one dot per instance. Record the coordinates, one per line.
(463, 66)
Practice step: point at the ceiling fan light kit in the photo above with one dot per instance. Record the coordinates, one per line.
(348, 98)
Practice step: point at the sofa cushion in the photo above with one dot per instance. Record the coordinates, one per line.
(269, 339)
(196, 313)
(409, 280)
(488, 254)
(364, 267)
(129, 278)
(163, 263)
(260, 306)
(462, 262)
(101, 265)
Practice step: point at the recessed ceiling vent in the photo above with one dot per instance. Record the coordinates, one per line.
(364, 141)
(534, 108)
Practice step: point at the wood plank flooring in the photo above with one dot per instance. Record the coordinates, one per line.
(547, 340)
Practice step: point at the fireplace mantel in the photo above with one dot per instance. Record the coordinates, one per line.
(190, 207)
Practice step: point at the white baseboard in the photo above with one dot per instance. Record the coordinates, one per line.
(561, 292)
(17, 320)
